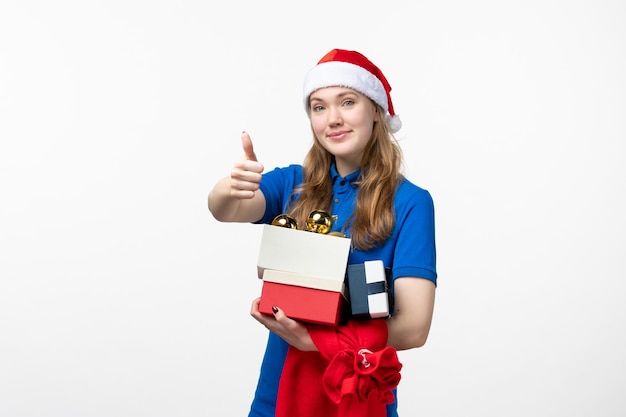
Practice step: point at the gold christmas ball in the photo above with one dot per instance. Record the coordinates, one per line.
(319, 221)
(285, 220)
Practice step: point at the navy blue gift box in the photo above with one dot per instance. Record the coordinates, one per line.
(369, 289)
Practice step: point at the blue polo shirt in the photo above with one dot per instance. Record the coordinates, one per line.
(410, 251)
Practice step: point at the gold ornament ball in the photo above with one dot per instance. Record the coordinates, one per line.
(285, 220)
(319, 221)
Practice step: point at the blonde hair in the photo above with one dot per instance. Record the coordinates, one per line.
(374, 217)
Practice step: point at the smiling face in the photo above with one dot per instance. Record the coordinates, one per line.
(342, 120)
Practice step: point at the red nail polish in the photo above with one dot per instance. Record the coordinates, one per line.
(275, 309)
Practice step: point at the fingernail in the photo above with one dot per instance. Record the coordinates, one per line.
(275, 309)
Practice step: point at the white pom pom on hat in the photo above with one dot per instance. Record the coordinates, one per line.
(343, 68)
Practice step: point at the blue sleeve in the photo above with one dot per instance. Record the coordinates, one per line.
(415, 252)
(277, 187)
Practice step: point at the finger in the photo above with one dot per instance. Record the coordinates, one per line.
(246, 166)
(240, 185)
(248, 149)
(255, 305)
(278, 313)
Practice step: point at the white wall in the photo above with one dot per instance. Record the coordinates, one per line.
(121, 296)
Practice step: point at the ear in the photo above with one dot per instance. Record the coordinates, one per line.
(377, 111)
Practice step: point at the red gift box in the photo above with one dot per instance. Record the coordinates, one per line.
(303, 303)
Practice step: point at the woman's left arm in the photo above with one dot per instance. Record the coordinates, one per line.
(414, 301)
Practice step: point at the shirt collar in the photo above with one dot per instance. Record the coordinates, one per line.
(352, 177)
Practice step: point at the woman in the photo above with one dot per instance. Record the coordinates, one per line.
(353, 171)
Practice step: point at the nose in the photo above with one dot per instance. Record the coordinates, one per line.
(334, 116)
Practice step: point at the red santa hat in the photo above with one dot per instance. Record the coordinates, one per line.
(343, 68)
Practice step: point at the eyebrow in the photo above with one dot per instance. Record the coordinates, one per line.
(338, 96)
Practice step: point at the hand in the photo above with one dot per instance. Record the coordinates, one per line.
(291, 331)
(245, 176)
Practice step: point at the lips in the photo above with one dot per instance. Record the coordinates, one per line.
(338, 135)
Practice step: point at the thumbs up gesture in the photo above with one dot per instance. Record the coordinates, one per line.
(245, 176)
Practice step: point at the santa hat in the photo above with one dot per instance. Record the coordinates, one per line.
(342, 68)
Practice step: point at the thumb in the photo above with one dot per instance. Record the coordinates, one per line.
(248, 149)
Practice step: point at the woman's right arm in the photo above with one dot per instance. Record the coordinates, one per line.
(237, 198)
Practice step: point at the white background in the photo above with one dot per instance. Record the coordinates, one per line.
(121, 296)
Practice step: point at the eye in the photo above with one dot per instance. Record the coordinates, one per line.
(317, 108)
(348, 102)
